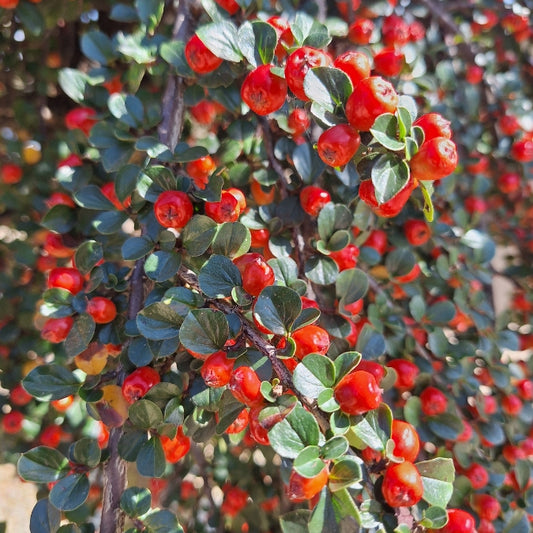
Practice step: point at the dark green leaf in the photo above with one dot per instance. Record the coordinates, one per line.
(135, 501)
(198, 234)
(73, 82)
(446, 426)
(375, 429)
(85, 452)
(88, 255)
(51, 382)
(161, 266)
(441, 312)
(329, 87)
(163, 521)
(295, 521)
(345, 472)
(151, 458)
(400, 261)
(42, 465)
(314, 374)
(218, 277)
(334, 448)
(276, 308)
(232, 239)
(370, 343)
(91, 197)
(98, 47)
(204, 331)
(417, 307)
(109, 222)
(127, 109)
(345, 362)
(351, 285)
(333, 217)
(80, 335)
(308, 463)
(389, 176)
(307, 163)
(221, 39)
(45, 518)
(158, 321)
(257, 41)
(386, 130)
(145, 414)
(173, 52)
(150, 12)
(31, 18)
(70, 492)
(321, 270)
(130, 443)
(136, 247)
(61, 219)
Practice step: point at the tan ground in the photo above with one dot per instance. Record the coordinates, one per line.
(16, 500)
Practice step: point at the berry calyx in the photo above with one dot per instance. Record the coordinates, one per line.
(173, 209)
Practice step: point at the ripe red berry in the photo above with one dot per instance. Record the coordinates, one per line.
(358, 393)
(225, 210)
(522, 150)
(406, 373)
(173, 209)
(372, 97)
(229, 5)
(66, 278)
(377, 370)
(51, 436)
(525, 389)
(235, 499)
(216, 370)
(360, 32)
(103, 310)
(434, 401)
(395, 31)
(338, 144)
(299, 63)
(303, 489)
(313, 199)
(346, 7)
(486, 506)
(199, 57)
(256, 273)
(82, 118)
(475, 204)
(12, 422)
(474, 74)
(56, 330)
(245, 385)
(310, 339)
(434, 125)
(417, 231)
(263, 91)
(19, 396)
(260, 237)
(239, 424)
(509, 124)
(511, 404)
(257, 431)
(10, 174)
(402, 485)
(478, 476)
(390, 208)
(139, 382)
(108, 190)
(176, 448)
(389, 62)
(377, 240)
(509, 182)
(436, 159)
(200, 170)
(458, 522)
(355, 64)
(59, 198)
(298, 121)
(406, 440)
(346, 258)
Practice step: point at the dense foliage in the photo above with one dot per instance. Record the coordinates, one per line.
(248, 262)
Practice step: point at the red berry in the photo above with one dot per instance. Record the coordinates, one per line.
(377, 240)
(216, 370)
(260, 237)
(173, 209)
(256, 273)
(355, 64)
(229, 5)
(458, 522)
(298, 121)
(262, 91)
(525, 389)
(108, 190)
(12, 422)
(139, 382)
(434, 401)
(313, 199)
(511, 404)
(406, 373)
(338, 144)
(310, 339)
(199, 57)
(522, 150)
(474, 74)
(395, 31)
(225, 210)
(389, 62)
(434, 125)
(346, 258)
(346, 7)
(406, 440)
(56, 330)
(59, 198)
(509, 124)
(390, 208)
(235, 499)
(103, 310)
(372, 97)
(417, 31)
(200, 170)
(82, 118)
(10, 174)
(478, 476)
(19, 396)
(245, 385)
(302, 488)
(66, 278)
(486, 506)
(51, 436)
(402, 485)
(176, 448)
(417, 231)
(509, 182)
(358, 393)
(72, 160)
(475, 204)
(298, 64)
(239, 424)
(257, 431)
(373, 368)
(62, 404)
(435, 160)
(360, 32)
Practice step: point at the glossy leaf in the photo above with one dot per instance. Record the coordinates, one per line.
(70, 492)
(276, 308)
(51, 382)
(314, 374)
(204, 331)
(42, 465)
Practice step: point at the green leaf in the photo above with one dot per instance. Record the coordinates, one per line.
(370, 343)
(150, 12)
(218, 277)
(446, 426)
(321, 270)
(314, 374)
(257, 41)
(345, 363)
(98, 47)
(417, 307)
(158, 321)
(57, 303)
(232, 239)
(45, 518)
(434, 517)
(308, 31)
(85, 452)
(130, 443)
(276, 308)
(127, 109)
(137, 247)
(80, 335)
(221, 38)
(334, 448)
(109, 222)
(183, 153)
(151, 458)
(61, 219)
(437, 477)
(298, 430)
(386, 130)
(307, 163)
(163, 521)
(375, 429)
(70, 492)
(295, 521)
(345, 472)
(204, 331)
(145, 414)
(73, 82)
(389, 176)
(198, 234)
(400, 261)
(518, 522)
(91, 197)
(329, 87)
(31, 18)
(173, 52)
(136, 501)
(162, 266)
(351, 285)
(308, 316)
(51, 382)
(333, 217)
(42, 465)
(88, 255)
(441, 312)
